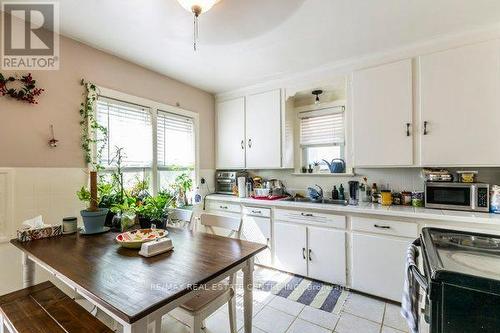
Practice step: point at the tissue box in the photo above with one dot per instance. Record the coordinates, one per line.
(26, 235)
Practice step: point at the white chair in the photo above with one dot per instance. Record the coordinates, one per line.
(194, 312)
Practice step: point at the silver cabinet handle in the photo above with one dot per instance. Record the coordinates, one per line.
(310, 258)
(408, 129)
(256, 212)
(242, 144)
(425, 127)
(307, 214)
(304, 253)
(249, 143)
(223, 207)
(382, 226)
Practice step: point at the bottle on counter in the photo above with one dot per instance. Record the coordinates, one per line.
(375, 193)
(341, 192)
(335, 193)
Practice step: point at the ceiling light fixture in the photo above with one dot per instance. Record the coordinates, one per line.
(197, 7)
(317, 93)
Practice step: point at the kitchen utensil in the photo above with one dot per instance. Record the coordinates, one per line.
(134, 239)
(156, 247)
(314, 194)
(275, 186)
(337, 165)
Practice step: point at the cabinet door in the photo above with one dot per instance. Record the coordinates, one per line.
(460, 102)
(378, 265)
(231, 134)
(263, 130)
(290, 248)
(382, 108)
(258, 230)
(327, 260)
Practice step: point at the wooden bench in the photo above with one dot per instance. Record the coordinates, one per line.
(44, 308)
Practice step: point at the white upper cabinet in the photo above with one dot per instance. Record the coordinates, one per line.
(263, 130)
(382, 108)
(460, 106)
(231, 134)
(249, 132)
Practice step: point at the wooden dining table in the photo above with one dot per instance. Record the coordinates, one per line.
(137, 291)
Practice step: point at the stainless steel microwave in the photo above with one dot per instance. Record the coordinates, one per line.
(458, 196)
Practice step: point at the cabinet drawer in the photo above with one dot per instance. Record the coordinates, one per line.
(257, 211)
(224, 206)
(379, 226)
(311, 217)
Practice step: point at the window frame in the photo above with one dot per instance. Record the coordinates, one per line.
(154, 108)
(344, 154)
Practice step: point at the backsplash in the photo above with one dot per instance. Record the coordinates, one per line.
(398, 179)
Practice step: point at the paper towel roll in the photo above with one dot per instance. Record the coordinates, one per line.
(242, 187)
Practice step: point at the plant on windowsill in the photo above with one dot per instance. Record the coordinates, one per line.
(93, 137)
(183, 184)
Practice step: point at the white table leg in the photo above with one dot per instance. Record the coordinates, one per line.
(248, 295)
(28, 271)
(1, 324)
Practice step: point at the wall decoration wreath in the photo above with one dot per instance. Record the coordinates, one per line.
(22, 89)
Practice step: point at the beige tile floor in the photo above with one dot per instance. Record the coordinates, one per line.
(273, 314)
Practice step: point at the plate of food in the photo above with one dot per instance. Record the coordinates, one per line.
(135, 238)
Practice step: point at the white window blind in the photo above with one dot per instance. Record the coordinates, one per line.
(129, 127)
(323, 127)
(175, 141)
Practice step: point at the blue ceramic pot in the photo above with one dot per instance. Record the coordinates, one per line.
(94, 221)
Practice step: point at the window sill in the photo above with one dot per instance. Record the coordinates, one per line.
(321, 174)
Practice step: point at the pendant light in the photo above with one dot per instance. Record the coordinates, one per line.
(197, 7)
(317, 93)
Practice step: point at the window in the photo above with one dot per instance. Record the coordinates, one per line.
(322, 136)
(175, 145)
(131, 122)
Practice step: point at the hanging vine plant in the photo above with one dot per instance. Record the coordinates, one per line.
(94, 136)
(26, 88)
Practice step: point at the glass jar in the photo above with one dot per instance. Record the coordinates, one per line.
(386, 198)
(406, 198)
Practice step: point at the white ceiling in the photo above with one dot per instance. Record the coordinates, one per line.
(244, 42)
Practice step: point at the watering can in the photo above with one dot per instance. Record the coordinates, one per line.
(337, 165)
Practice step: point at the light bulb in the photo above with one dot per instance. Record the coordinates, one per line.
(201, 6)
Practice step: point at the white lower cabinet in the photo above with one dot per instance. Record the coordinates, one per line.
(327, 261)
(378, 264)
(315, 252)
(290, 247)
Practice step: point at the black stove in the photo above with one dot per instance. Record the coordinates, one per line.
(462, 274)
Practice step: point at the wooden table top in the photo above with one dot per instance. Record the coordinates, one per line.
(132, 286)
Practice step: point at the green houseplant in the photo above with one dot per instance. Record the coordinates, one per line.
(154, 210)
(183, 184)
(92, 141)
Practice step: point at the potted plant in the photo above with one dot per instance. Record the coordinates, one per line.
(93, 139)
(154, 210)
(183, 184)
(316, 166)
(126, 215)
(93, 217)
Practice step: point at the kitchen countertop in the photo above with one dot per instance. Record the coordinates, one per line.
(372, 209)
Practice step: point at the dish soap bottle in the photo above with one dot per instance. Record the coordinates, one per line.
(335, 193)
(341, 192)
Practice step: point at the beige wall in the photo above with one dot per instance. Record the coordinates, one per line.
(24, 128)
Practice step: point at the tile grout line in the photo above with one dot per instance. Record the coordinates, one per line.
(383, 318)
